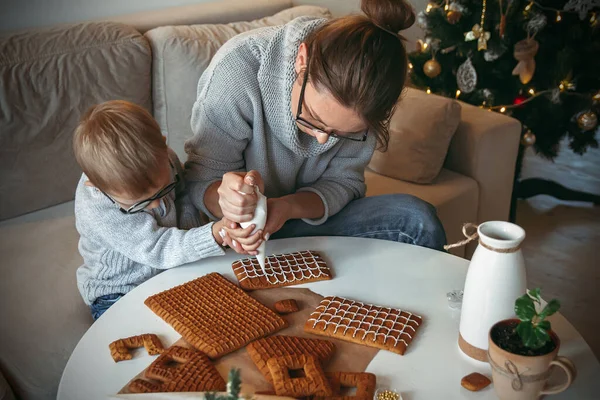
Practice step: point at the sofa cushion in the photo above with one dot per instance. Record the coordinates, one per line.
(180, 56)
(421, 129)
(49, 78)
(42, 313)
(455, 196)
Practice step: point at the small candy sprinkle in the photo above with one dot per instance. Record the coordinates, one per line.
(388, 395)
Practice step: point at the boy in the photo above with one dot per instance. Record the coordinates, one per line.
(131, 211)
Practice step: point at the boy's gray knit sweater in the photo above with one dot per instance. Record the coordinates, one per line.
(121, 251)
(242, 120)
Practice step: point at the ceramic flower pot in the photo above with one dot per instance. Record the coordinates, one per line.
(518, 377)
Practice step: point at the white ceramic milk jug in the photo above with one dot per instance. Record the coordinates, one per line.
(495, 279)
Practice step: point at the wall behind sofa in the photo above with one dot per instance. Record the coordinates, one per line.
(23, 14)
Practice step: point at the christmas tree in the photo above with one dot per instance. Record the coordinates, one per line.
(538, 61)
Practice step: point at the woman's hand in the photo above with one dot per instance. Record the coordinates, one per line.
(278, 213)
(236, 195)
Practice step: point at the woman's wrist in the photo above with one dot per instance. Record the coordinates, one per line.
(303, 205)
(211, 199)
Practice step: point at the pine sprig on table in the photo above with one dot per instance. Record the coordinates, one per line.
(234, 386)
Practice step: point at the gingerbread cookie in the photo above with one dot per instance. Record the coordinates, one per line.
(475, 382)
(286, 306)
(214, 315)
(180, 370)
(119, 349)
(262, 350)
(364, 383)
(281, 270)
(311, 381)
(385, 328)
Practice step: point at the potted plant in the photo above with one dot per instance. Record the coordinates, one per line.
(522, 351)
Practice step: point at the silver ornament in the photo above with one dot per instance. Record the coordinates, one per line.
(555, 96)
(494, 52)
(457, 7)
(422, 20)
(587, 121)
(466, 77)
(582, 7)
(528, 138)
(536, 23)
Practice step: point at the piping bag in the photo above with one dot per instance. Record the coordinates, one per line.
(259, 220)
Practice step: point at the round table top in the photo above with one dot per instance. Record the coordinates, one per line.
(372, 271)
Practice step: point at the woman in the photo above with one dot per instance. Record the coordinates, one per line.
(302, 107)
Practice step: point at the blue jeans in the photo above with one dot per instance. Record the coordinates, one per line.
(396, 217)
(103, 303)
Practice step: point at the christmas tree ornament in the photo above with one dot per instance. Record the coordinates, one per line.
(488, 96)
(466, 77)
(519, 99)
(478, 32)
(453, 16)
(596, 97)
(454, 13)
(583, 7)
(536, 24)
(503, 13)
(422, 20)
(555, 96)
(420, 46)
(587, 121)
(495, 51)
(525, 51)
(528, 138)
(432, 68)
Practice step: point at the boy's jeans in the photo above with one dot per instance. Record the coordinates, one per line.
(103, 303)
(396, 217)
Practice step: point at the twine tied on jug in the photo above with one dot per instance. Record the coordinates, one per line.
(474, 236)
(511, 371)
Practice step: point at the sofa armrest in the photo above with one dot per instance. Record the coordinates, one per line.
(485, 148)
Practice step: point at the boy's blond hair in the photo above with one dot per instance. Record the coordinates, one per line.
(120, 148)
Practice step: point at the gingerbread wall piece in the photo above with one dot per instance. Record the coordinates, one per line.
(364, 383)
(312, 383)
(382, 327)
(214, 315)
(180, 370)
(262, 350)
(120, 349)
(281, 270)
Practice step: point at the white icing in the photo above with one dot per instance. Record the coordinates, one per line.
(259, 220)
(343, 313)
(278, 269)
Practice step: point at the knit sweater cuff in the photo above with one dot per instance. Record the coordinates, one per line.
(325, 216)
(206, 245)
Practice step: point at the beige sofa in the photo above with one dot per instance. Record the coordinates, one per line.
(50, 76)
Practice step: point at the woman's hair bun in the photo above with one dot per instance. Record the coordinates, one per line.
(393, 15)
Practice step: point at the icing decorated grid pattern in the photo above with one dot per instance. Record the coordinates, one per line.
(387, 328)
(281, 270)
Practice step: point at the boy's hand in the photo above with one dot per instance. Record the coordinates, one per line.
(241, 240)
(236, 195)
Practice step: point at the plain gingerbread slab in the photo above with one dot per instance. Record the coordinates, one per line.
(348, 357)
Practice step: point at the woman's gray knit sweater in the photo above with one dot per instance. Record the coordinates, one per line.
(242, 120)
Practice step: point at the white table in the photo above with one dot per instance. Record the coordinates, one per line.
(373, 271)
